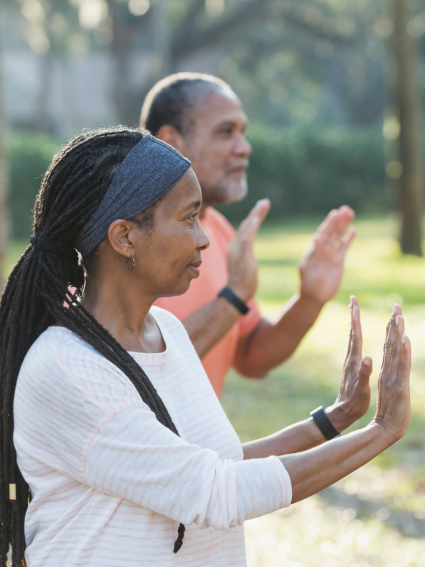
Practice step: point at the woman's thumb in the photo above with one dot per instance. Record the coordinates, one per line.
(365, 368)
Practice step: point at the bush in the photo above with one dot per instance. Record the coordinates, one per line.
(28, 158)
(315, 170)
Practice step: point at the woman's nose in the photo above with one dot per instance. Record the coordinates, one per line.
(203, 240)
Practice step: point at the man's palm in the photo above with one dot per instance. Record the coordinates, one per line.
(322, 265)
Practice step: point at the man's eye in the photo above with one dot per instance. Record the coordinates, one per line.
(192, 217)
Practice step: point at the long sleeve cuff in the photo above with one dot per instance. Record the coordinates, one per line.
(263, 486)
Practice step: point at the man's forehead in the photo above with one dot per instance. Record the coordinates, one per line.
(219, 106)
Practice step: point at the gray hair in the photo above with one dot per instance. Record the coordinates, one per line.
(170, 101)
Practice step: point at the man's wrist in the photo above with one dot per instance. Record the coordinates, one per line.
(310, 302)
(239, 291)
(229, 295)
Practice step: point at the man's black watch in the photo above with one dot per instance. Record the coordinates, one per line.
(324, 423)
(240, 305)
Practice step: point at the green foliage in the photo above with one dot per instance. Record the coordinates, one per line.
(314, 170)
(28, 157)
(300, 171)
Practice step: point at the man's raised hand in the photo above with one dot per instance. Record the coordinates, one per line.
(242, 265)
(322, 265)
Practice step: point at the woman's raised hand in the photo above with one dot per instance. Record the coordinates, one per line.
(354, 393)
(393, 400)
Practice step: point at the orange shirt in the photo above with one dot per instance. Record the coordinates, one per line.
(203, 290)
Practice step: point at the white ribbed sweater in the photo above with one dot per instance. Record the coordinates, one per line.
(109, 483)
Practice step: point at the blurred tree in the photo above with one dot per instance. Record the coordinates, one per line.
(176, 31)
(410, 180)
(51, 30)
(3, 192)
(173, 31)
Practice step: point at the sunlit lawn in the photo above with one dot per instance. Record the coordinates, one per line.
(376, 517)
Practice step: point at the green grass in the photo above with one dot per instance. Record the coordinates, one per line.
(375, 517)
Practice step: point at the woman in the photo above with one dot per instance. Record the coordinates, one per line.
(107, 413)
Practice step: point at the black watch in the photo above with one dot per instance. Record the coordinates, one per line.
(324, 423)
(240, 305)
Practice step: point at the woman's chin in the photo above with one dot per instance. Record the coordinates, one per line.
(178, 289)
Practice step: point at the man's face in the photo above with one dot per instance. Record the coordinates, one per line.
(216, 145)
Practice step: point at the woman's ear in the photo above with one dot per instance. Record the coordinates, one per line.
(119, 236)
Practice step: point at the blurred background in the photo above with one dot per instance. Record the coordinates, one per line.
(334, 90)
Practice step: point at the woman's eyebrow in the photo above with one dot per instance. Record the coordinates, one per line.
(193, 205)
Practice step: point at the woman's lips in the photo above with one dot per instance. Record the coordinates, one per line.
(194, 268)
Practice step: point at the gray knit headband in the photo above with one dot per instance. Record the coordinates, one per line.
(149, 170)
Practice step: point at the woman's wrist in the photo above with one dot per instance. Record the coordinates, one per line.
(385, 431)
(340, 416)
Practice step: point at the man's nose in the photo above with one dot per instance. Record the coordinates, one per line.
(243, 147)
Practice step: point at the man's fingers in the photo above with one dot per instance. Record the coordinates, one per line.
(335, 226)
(323, 226)
(342, 221)
(348, 238)
(249, 227)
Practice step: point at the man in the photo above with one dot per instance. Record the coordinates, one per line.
(203, 119)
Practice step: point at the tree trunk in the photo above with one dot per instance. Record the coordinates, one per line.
(410, 182)
(3, 194)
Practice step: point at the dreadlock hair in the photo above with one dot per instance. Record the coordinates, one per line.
(37, 294)
(172, 99)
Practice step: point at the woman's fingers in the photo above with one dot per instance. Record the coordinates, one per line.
(397, 349)
(350, 336)
(365, 369)
(357, 330)
(404, 375)
(390, 338)
(393, 352)
(354, 351)
(393, 401)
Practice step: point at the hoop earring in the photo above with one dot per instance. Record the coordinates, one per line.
(134, 263)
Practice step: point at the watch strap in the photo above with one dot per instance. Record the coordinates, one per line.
(324, 423)
(240, 305)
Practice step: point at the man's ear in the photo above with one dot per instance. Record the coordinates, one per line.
(172, 136)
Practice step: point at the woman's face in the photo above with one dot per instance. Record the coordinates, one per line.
(168, 256)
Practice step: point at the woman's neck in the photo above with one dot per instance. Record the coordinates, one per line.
(125, 316)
